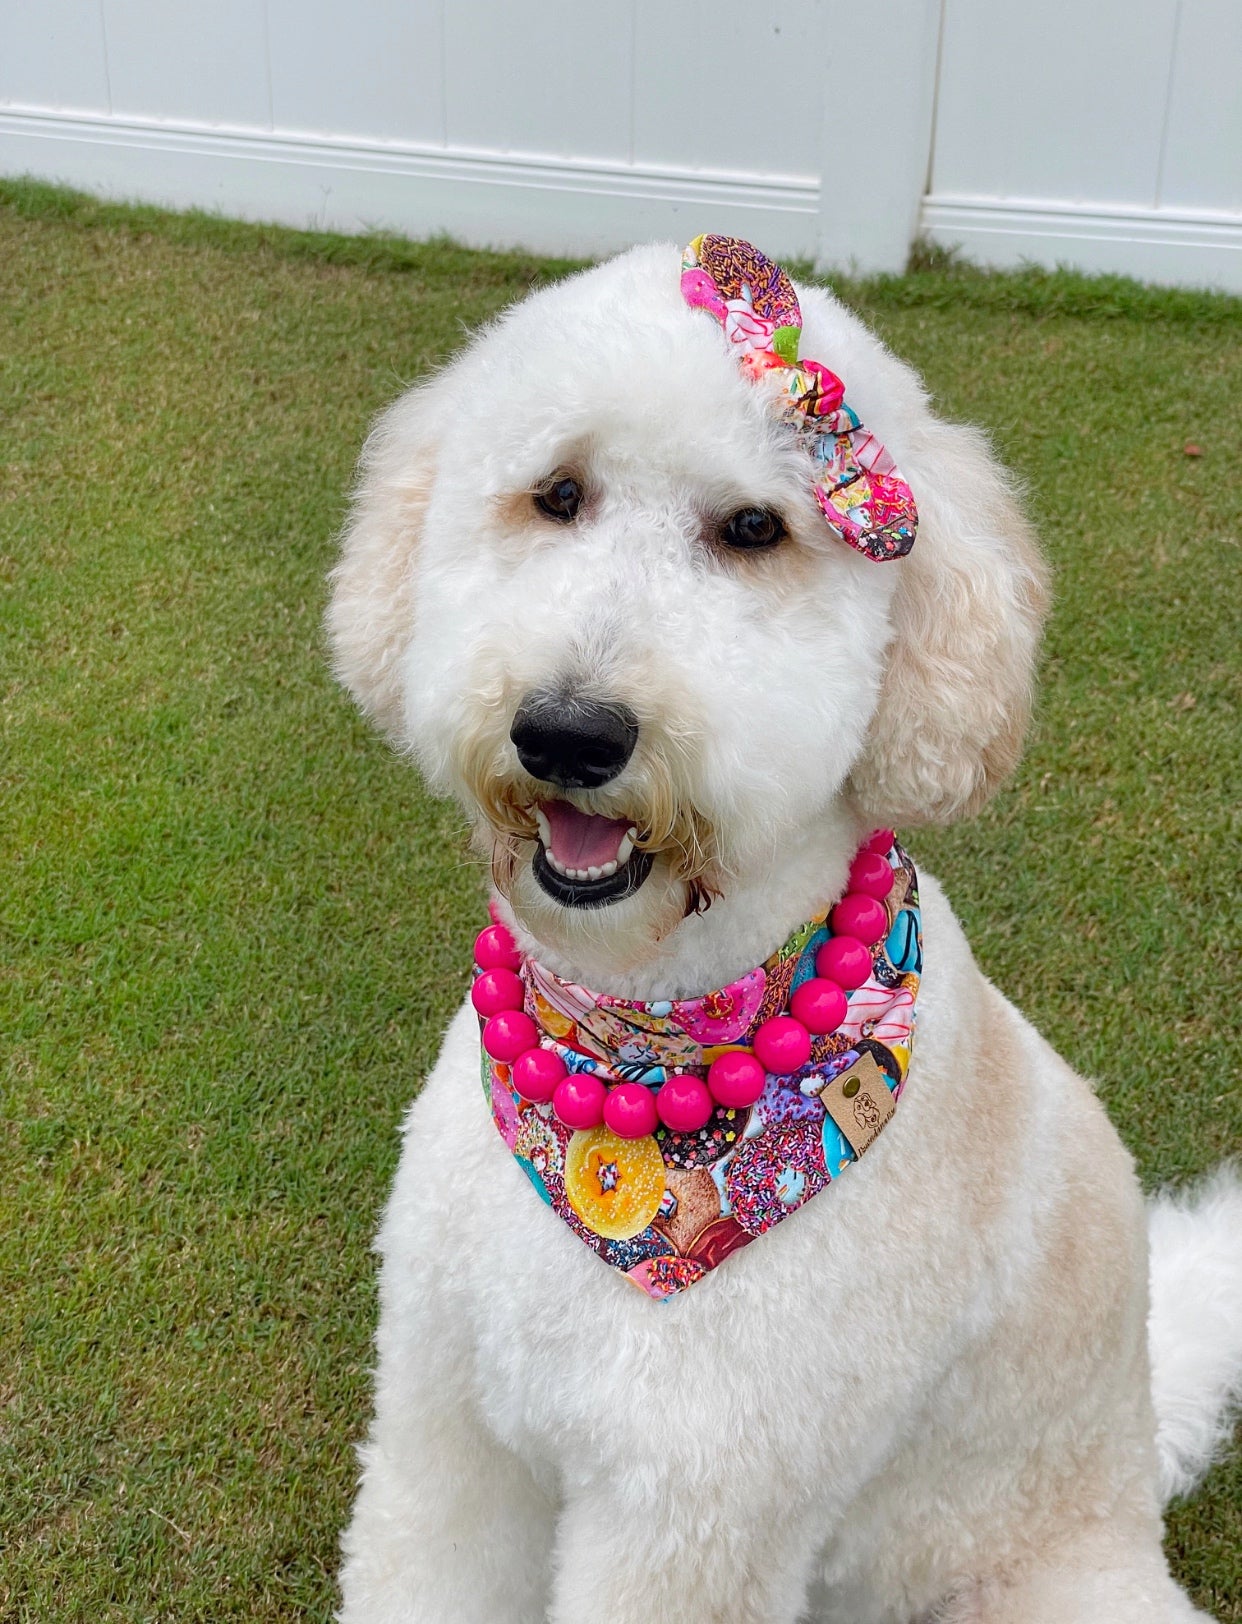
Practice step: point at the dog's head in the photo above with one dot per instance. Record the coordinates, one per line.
(587, 583)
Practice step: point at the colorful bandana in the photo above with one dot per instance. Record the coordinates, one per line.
(667, 1208)
(863, 497)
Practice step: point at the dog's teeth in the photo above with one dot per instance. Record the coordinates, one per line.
(585, 876)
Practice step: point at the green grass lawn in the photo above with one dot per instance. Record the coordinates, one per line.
(233, 926)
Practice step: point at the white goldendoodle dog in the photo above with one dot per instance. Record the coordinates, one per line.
(633, 583)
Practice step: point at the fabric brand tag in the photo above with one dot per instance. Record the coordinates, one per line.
(859, 1102)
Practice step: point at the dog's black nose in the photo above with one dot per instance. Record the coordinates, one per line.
(576, 743)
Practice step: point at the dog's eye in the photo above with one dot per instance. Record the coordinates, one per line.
(560, 498)
(752, 528)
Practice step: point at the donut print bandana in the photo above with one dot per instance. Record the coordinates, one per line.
(863, 497)
(667, 1207)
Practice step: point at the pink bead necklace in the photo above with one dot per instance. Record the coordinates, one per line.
(735, 1079)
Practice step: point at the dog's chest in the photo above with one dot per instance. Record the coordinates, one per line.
(793, 1360)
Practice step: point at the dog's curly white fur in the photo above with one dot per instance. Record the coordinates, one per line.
(966, 1319)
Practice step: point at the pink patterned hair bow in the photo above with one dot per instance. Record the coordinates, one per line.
(863, 497)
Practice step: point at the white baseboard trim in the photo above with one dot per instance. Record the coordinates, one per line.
(486, 199)
(1174, 246)
(570, 206)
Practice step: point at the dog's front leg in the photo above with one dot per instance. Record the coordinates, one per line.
(448, 1528)
(636, 1551)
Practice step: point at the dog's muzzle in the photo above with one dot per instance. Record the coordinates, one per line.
(582, 859)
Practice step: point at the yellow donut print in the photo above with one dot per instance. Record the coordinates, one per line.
(551, 1020)
(614, 1185)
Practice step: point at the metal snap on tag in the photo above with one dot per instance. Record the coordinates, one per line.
(859, 1102)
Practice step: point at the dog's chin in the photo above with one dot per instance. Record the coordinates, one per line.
(591, 929)
(571, 892)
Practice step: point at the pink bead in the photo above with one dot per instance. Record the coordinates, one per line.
(684, 1104)
(736, 1079)
(495, 949)
(819, 1004)
(857, 915)
(871, 876)
(845, 960)
(630, 1111)
(782, 1045)
(536, 1072)
(495, 990)
(507, 1034)
(881, 841)
(579, 1101)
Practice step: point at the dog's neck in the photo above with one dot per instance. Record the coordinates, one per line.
(741, 928)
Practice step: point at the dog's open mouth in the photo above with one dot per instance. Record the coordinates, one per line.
(584, 860)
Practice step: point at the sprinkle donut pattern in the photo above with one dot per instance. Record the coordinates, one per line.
(722, 1131)
(775, 1174)
(666, 1209)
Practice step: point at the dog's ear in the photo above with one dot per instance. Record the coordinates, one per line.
(967, 616)
(370, 612)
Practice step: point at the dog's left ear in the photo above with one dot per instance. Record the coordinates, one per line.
(370, 616)
(969, 608)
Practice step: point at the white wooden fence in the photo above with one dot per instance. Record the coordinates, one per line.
(1103, 133)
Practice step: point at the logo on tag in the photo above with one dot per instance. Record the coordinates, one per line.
(859, 1102)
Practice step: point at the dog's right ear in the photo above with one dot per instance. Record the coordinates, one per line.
(370, 616)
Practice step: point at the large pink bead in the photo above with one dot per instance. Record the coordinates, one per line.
(496, 990)
(495, 949)
(684, 1104)
(857, 915)
(736, 1079)
(845, 960)
(536, 1072)
(630, 1111)
(871, 876)
(819, 1004)
(880, 841)
(506, 1035)
(579, 1101)
(782, 1045)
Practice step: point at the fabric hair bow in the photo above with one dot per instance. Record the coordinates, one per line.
(863, 497)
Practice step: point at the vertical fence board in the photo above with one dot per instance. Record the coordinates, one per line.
(188, 61)
(372, 72)
(1060, 100)
(1203, 140)
(52, 55)
(729, 86)
(538, 76)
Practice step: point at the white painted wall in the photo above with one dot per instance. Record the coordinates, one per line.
(1103, 132)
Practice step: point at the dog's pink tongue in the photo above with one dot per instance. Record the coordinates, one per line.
(583, 839)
